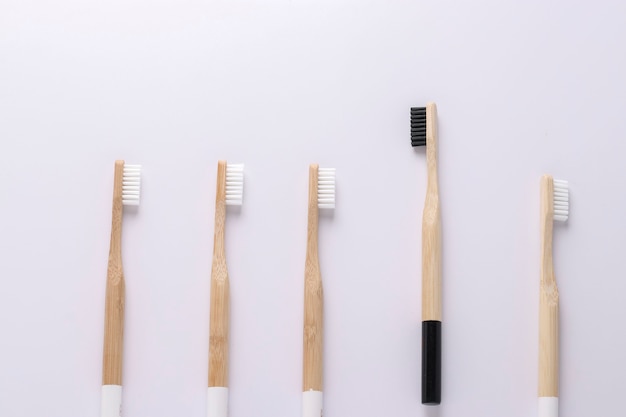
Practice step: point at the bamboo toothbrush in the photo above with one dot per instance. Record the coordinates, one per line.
(126, 186)
(229, 192)
(554, 206)
(321, 195)
(424, 133)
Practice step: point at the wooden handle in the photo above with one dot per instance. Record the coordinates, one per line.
(313, 297)
(114, 302)
(220, 291)
(548, 299)
(431, 226)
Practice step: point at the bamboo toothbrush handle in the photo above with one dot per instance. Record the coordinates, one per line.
(220, 308)
(431, 307)
(114, 309)
(431, 261)
(313, 333)
(549, 349)
(548, 309)
(431, 270)
(219, 327)
(313, 310)
(113, 328)
(431, 226)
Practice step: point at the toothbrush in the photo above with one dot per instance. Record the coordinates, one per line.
(125, 192)
(424, 133)
(554, 206)
(321, 196)
(229, 192)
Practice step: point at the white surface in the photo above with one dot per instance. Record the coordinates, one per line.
(217, 402)
(312, 403)
(111, 403)
(548, 406)
(523, 88)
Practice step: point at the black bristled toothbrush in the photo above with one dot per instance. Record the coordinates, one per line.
(424, 133)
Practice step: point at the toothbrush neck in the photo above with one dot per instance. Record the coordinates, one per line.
(312, 234)
(220, 225)
(220, 210)
(433, 182)
(116, 229)
(115, 250)
(313, 216)
(431, 159)
(547, 226)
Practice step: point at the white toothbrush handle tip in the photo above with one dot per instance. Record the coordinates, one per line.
(548, 406)
(111, 401)
(312, 404)
(217, 402)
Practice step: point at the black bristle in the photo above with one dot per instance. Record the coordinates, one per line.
(418, 126)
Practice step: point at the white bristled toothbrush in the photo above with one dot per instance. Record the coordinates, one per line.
(554, 206)
(321, 195)
(229, 192)
(126, 187)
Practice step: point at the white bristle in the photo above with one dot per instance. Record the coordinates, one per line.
(234, 184)
(131, 185)
(561, 200)
(326, 188)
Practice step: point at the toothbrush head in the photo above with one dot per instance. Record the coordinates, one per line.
(131, 185)
(234, 184)
(418, 126)
(561, 200)
(326, 188)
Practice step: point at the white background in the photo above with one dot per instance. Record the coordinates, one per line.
(523, 88)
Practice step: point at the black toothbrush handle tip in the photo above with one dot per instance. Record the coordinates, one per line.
(431, 362)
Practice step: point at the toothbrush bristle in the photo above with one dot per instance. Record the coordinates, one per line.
(418, 126)
(561, 200)
(234, 184)
(326, 188)
(131, 185)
